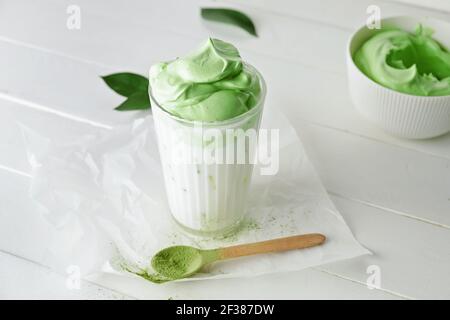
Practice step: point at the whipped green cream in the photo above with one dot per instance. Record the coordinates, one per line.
(210, 84)
(415, 64)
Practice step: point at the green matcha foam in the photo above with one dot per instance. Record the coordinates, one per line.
(210, 84)
(415, 64)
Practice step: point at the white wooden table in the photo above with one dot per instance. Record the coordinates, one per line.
(394, 193)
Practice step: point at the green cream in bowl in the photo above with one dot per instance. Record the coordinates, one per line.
(399, 76)
(412, 63)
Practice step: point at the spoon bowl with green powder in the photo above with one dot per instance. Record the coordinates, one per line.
(179, 262)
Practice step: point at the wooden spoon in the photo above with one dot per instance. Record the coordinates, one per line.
(183, 261)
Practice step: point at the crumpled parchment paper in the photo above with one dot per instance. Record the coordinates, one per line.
(104, 193)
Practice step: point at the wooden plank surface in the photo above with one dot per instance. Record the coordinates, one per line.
(394, 193)
(22, 279)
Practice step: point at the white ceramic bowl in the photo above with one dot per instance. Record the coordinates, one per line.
(404, 115)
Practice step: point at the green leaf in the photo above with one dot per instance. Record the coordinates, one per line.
(126, 83)
(229, 16)
(137, 101)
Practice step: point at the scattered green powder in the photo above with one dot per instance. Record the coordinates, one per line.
(155, 278)
(245, 226)
(252, 225)
(174, 238)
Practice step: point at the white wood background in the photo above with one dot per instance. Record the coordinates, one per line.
(394, 193)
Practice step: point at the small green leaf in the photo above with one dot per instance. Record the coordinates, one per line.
(126, 83)
(229, 16)
(137, 101)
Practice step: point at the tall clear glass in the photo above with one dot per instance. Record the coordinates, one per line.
(208, 166)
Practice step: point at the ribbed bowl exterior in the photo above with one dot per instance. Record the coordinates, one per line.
(400, 114)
